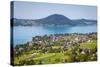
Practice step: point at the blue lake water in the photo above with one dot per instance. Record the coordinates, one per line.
(22, 34)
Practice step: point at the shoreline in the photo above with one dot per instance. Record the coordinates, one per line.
(55, 34)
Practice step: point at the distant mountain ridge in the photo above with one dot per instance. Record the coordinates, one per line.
(52, 20)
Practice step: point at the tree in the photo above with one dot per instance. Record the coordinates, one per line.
(27, 62)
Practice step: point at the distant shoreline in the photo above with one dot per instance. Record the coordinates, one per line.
(58, 35)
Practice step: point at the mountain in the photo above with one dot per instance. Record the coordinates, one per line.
(52, 20)
(22, 22)
(55, 19)
(84, 22)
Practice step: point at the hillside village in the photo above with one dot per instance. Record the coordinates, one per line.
(57, 48)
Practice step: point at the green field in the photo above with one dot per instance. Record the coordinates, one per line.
(91, 45)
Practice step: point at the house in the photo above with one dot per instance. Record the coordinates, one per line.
(86, 51)
(30, 43)
(21, 49)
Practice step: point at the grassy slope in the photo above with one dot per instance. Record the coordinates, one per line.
(91, 45)
(50, 58)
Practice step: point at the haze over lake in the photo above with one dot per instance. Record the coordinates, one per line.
(22, 34)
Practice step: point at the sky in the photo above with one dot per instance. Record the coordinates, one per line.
(37, 10)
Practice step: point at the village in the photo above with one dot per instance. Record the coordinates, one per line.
(57, 48)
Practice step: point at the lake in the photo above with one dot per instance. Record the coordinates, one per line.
(22, 34)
